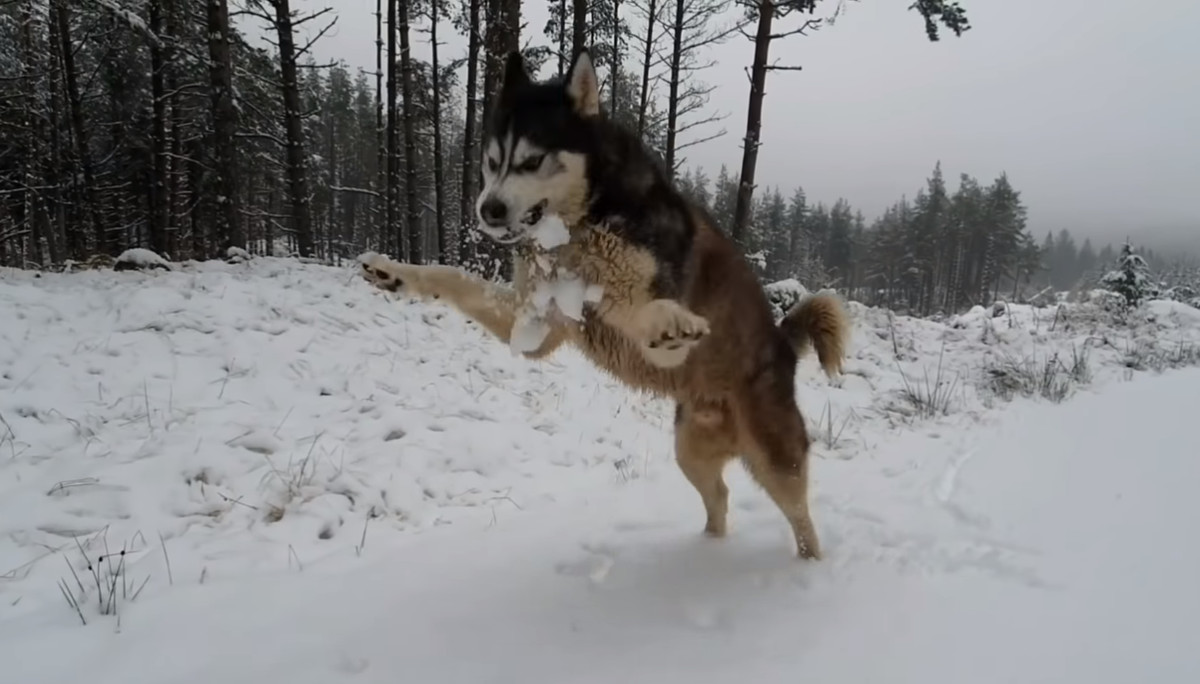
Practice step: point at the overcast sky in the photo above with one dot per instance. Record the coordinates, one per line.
(1090, 106)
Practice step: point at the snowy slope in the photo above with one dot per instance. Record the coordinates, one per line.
(238, 427)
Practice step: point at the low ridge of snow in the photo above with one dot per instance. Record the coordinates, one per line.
(313, 482)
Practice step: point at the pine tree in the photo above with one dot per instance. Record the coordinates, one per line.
(1131, 278)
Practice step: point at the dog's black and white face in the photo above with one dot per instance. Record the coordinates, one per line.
(534, 162)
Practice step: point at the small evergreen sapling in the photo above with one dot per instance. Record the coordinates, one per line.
(1131, 279)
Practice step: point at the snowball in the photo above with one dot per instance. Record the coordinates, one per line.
(550, 232)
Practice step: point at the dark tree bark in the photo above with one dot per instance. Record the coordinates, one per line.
(758, 80)
(578, 26)
(466, 196)
(393, 141)
(673, 95)
(439, 193)
(616, 59)
(160, 209)
(175, 123)
(76, 240)
(79, 129)
(647, 53)
(562, 37)
(491, 57)
(416, 242)
(381, 150)
(297, 163)
(225, 122)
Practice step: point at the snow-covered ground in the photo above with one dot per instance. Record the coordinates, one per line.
(313, 483)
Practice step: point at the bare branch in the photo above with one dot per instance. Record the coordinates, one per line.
(309, 44)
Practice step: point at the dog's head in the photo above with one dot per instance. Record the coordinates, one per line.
(534, 159)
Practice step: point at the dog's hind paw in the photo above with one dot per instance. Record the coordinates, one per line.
(667, 332)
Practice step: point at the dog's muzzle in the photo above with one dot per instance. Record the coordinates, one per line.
(494, 221)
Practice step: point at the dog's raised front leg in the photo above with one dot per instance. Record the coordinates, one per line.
(664, 329)
(667, 331)
(492, 306)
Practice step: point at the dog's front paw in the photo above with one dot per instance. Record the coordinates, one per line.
(667, 332)
(389, 275)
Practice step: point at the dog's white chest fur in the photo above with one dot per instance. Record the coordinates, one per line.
(551, 287)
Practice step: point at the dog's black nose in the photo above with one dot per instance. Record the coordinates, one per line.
(494, 212)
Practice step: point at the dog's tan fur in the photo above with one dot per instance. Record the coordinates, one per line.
(714, 351)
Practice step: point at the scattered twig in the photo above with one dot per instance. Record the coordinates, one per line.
(167, 558)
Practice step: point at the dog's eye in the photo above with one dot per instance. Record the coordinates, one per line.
(493, 165)
(531, 163)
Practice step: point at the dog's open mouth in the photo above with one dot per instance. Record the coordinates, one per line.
(534, 215)
(508, 238)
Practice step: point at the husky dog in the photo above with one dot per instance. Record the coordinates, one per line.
(682, 314)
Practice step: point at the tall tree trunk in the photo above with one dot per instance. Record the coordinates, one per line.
(673, 95)
(416, 241)
(334, 181)
(381, 151)
(758, 79)
(78, 127)
(160, 213)
(225, 121)
(175, 125)
(644, 99)
(578, 26)
(562, 36)
(393, 141)
(39, 229)
(616, 59)
(491, 57)
(76, 240)
(466, 213)
(297, 165)
(487, 252)
(439, 192)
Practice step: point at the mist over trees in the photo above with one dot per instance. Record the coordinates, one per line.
(157, 123)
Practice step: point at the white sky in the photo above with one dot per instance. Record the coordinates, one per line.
(1092, 109)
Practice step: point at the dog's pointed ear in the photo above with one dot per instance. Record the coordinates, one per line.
(582, 85)
(515, 75)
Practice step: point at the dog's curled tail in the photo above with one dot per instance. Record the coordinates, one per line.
(818, 321)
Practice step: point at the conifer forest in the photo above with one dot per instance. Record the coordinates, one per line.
(160, 124)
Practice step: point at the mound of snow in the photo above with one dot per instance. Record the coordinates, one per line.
(140, 258)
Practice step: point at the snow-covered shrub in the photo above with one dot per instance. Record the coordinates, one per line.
(1053, 378)
(139, 258)
(237, 255)
(783, 295)
(1147, 356)
(1131, 279)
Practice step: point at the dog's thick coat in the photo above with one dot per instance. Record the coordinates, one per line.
(683, 315)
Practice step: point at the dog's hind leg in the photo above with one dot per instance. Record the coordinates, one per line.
(704, 443)
(775, 448)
